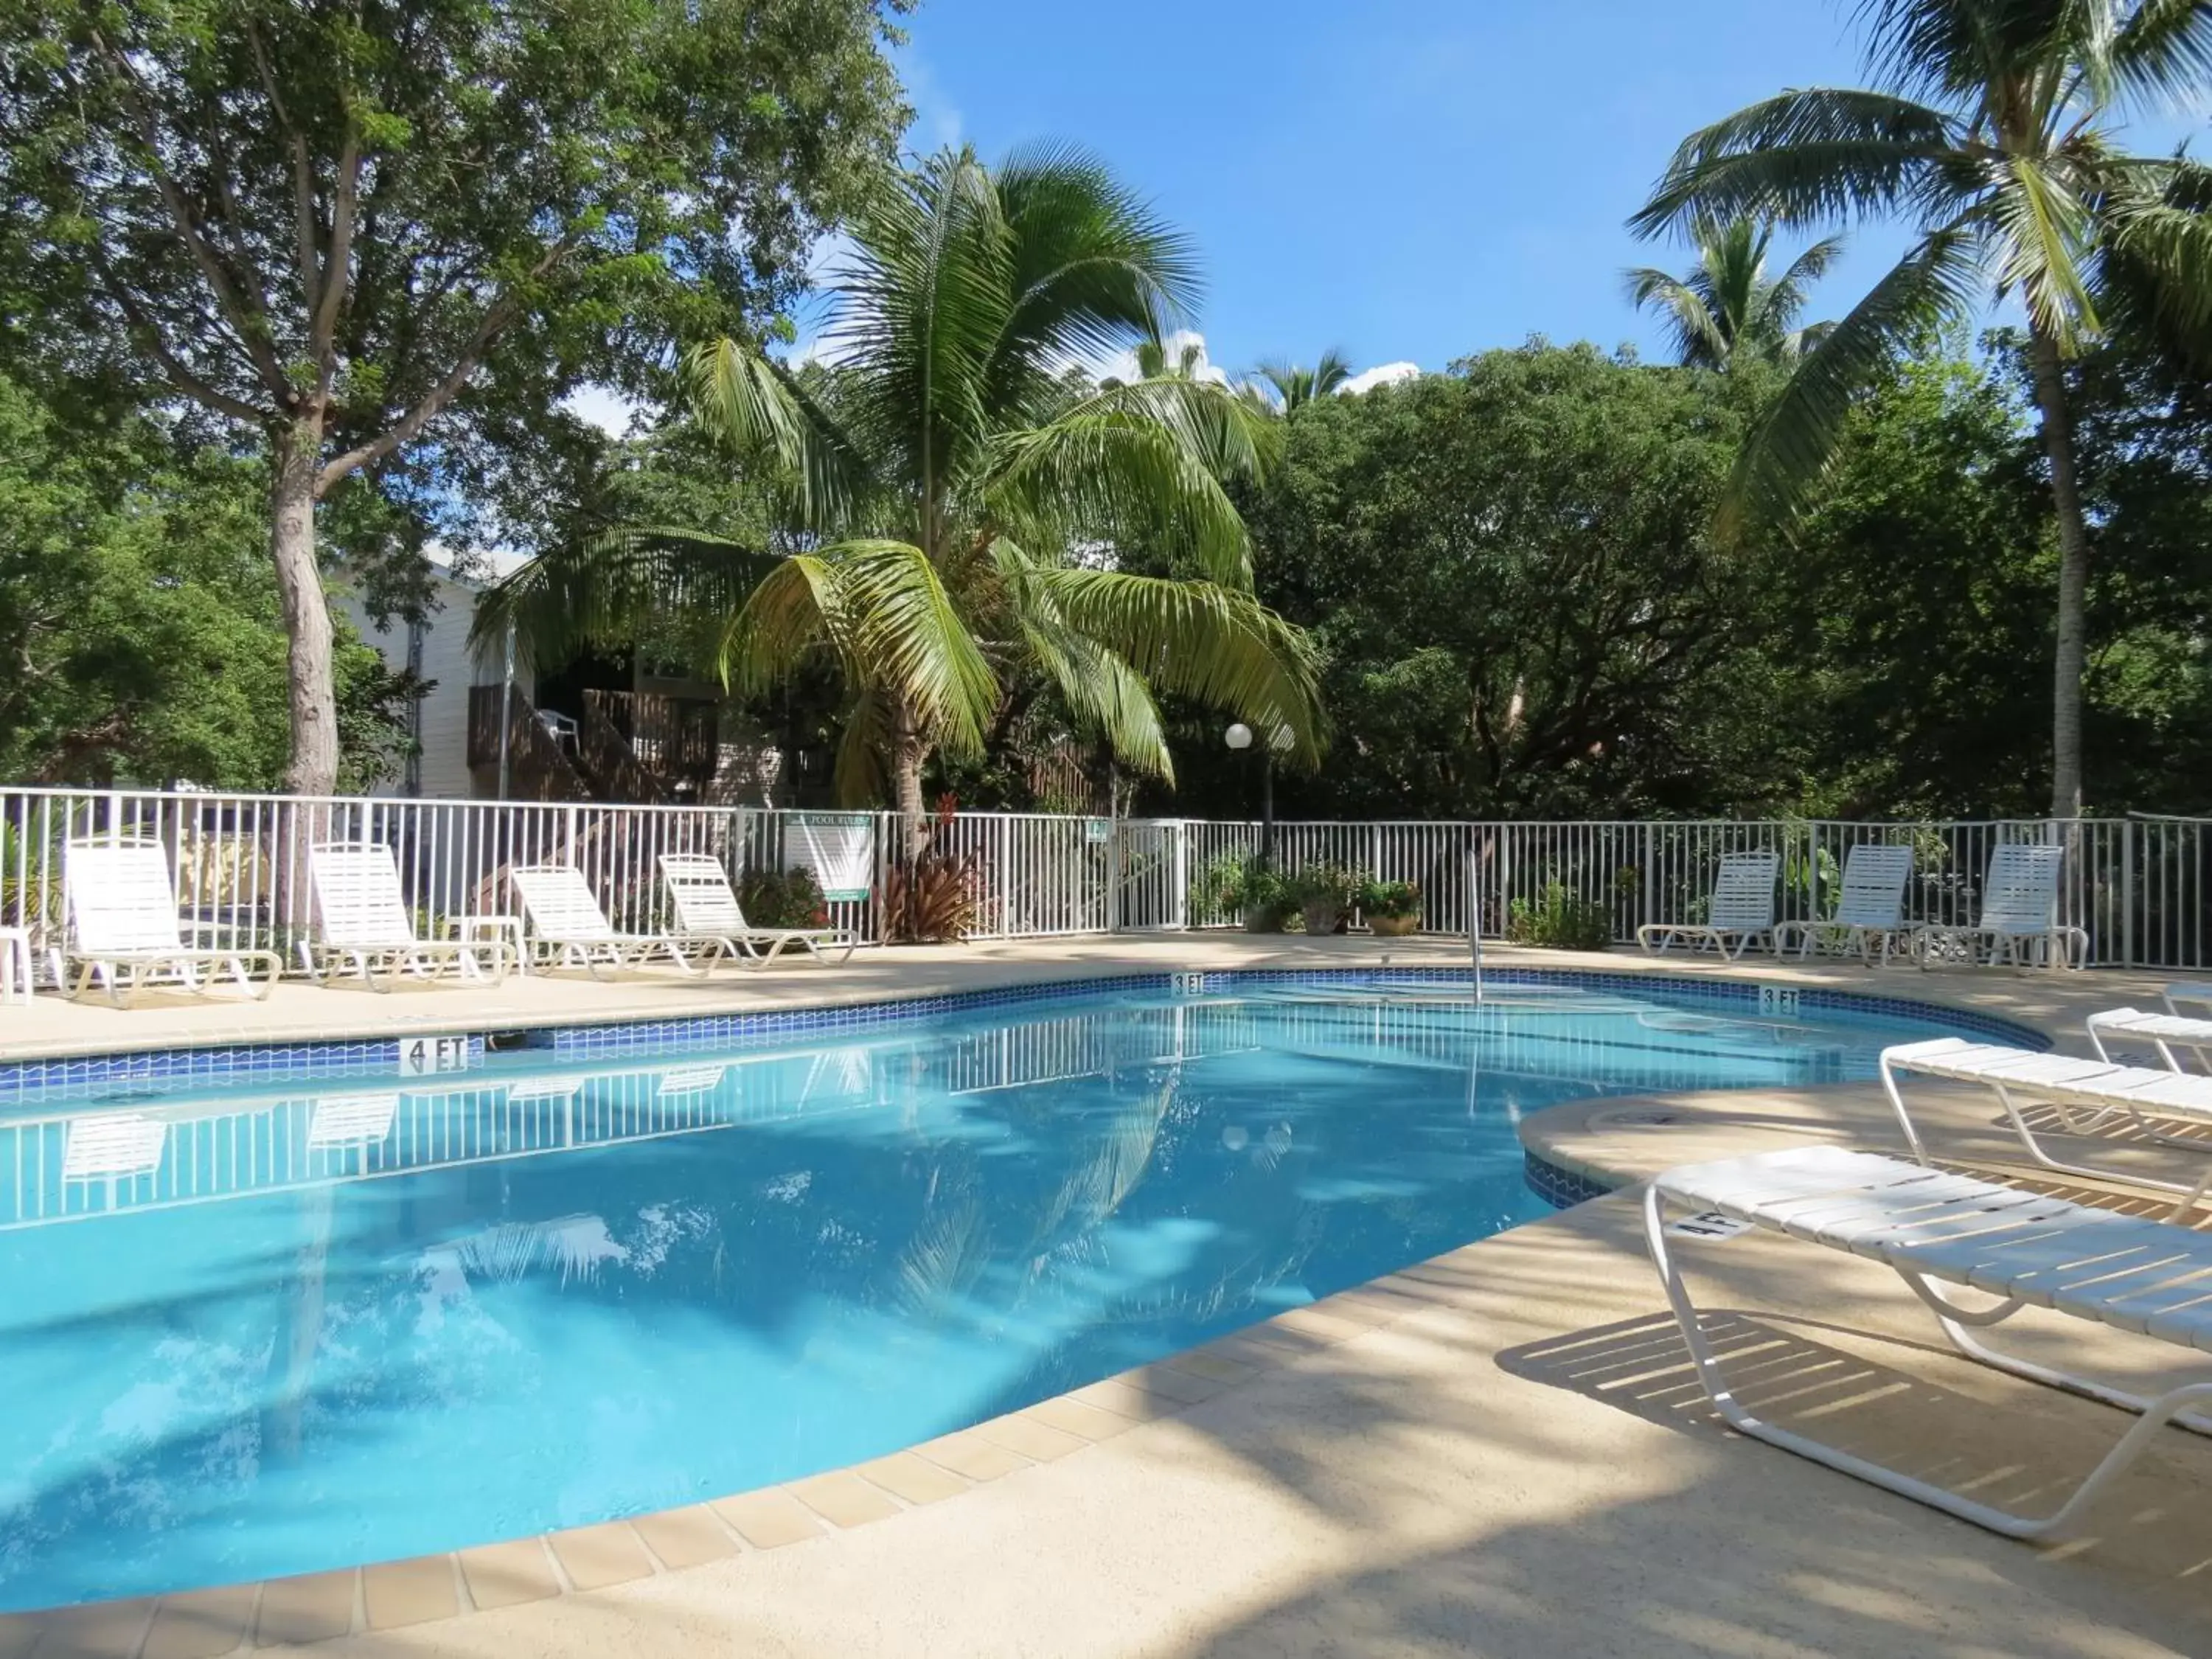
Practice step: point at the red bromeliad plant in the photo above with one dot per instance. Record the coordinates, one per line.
(933, 896)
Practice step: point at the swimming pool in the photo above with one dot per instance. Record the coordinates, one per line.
(250, 1331)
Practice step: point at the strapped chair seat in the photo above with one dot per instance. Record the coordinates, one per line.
(2130, 1272)
(1870, 912)
(2100, 1088)
(707, 908)
(2019, 911)
(124, 929)
(362, 926)
(1742, 911)
(565, 918)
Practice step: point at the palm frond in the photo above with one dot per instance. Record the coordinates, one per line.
(2163, 50)
(1222, 648)
(1331, 371)
(1696, 334)
(2158, 268)
(920, 301)
(615, 589)
(1807, 157)
(1809, 267)
(1091, 263)
(749, 402)
(1108, 698)
(1139, 462)
(857, 772)
(1789, 449)
(2043, 235)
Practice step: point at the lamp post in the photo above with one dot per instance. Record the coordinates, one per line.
(1239, 738)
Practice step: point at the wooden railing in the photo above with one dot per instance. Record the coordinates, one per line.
(613, 764)
(676, 739)
(537, 768)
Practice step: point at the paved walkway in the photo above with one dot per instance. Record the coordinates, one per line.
(1500, 1452)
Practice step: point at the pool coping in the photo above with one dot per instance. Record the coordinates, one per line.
(485, 1577)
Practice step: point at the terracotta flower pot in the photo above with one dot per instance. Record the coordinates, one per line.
(1393, 926)
(1321, 915)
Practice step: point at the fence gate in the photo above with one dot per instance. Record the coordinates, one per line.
(1152, 874)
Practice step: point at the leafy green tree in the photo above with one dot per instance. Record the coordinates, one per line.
(139, 617)
(348, 226)
(1296, 385)
(1727, 304)
(953, 505)
(1509, 570)
(1991, 130)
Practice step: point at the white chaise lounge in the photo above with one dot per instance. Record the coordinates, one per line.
(362, 926)
(2163, 1032)
(2100, 1088)
(2019, 911)
(1741, 910)
(1870, 912)
(566, 919)
(708, 907)
(124, 929)
(2026, 1250)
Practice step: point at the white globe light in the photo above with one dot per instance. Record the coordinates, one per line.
(1239, 736)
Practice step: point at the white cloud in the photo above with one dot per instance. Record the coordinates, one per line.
(1380, 374)
(603, 407)
(1123, 365)
(936, 122)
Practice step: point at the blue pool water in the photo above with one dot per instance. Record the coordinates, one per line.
(249, 1334)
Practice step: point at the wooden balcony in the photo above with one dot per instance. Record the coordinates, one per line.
(676, 739)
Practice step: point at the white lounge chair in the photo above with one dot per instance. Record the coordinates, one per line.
(2127, 1272)
(2163, 1032)
(565, 918)
(124, 929)
(1870, 913)
(363, 925)
(2019, 911)
(707, 908)
(1742, 910)
(2098, 1087)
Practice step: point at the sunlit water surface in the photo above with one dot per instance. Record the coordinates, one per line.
(244, 1336)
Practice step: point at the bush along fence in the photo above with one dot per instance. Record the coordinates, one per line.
(2141, 887)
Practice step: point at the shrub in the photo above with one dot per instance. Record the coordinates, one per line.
(1559, 921)
(783, 898)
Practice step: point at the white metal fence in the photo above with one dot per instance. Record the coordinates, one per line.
(2141, 887)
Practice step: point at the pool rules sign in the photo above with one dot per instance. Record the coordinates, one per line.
(838, 847)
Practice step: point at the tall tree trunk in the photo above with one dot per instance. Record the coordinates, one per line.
(2072, 655)
(313, 769)
(909, 749)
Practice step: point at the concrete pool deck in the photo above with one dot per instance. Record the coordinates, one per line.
(1500, 1451)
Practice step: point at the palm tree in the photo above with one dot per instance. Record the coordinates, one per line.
(1728, 304)
(954, 499)
(1296, 386)
(1986, 129)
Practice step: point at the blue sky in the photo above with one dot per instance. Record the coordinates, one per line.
(1409, 180)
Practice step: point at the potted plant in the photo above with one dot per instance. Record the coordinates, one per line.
(1265, 897)
(1235, 883)
(1322, 893)
(1392, 908)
